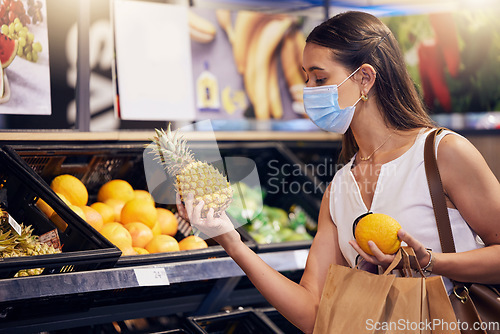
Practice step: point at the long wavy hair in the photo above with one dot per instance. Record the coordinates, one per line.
(356, 38)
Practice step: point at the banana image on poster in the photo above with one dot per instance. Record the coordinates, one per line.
(261, 42)
(200, 29)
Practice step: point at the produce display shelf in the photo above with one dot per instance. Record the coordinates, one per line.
(33, 287)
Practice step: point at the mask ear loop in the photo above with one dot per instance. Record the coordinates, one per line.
(340, 84)
(362, 97)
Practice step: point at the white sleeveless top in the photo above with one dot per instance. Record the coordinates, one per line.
(402, 193)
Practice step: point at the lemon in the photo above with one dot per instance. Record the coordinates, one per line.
(379, 228)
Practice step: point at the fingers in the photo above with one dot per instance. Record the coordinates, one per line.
(378, 257)
(188, 204)
(181, 209)
(418, 247)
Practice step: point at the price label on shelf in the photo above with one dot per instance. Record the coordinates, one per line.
(15, 225)
(151, 276)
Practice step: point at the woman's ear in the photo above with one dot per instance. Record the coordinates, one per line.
(367, 77)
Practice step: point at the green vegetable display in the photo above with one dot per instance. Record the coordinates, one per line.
(267, 224)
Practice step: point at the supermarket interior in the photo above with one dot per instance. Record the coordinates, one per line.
(91, 237)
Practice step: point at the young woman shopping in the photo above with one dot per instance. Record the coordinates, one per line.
(358, 85)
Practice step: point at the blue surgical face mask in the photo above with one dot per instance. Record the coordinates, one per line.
(322, 106)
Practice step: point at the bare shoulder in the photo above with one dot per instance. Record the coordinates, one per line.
(459, 153)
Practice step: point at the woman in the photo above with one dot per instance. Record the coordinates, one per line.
(357, 83)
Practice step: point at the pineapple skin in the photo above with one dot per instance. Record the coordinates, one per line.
(201, 179)
(206, 184)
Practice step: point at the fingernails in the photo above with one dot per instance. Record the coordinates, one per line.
(401, 233)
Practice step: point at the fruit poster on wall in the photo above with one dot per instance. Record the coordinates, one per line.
(453, 57)
(24, 57)
(247, 64)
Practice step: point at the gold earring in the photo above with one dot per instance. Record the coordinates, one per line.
(364, 97)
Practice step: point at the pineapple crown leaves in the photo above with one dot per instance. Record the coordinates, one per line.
(172, 150)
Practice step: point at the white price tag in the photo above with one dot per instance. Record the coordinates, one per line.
(151, 276)
(15, 225)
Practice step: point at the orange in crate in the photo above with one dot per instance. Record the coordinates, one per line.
(117, 234)
(168, 222)
(162, 243)
(106, 211)
(141, 234)
(92, 217)
(71, 188)
(117, 189)
(139, 210)
(192, 242)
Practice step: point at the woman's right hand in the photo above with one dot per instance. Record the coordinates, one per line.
(220, 228)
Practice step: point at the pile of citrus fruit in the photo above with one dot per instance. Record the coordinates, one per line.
(127, 217)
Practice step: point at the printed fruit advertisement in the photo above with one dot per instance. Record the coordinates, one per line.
(24, 58)
(247, 64)
(453, 58)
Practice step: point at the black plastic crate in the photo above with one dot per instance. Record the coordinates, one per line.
(94, 165)
(246, 321)
(280, 321)
(82, 247)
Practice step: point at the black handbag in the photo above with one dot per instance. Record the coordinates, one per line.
(477, 305)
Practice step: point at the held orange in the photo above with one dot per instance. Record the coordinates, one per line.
(71, 188)
(117, 189)
(379, 228)
(168, 222)
(162, 243)
(192, 242)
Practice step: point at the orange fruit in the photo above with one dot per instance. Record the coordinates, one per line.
(92, 217)
(141, 234)
(117, 189)
(117, 234)
(128, 251)
(139, 193)
(117, 206)
(162, 243)
(71, 188)
(379, 228)
(139, 210)
(168, 221)
(156, 228)
(140, 251)
(106, 211)
(192, 242)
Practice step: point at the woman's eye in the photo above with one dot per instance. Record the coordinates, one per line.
(320, 81)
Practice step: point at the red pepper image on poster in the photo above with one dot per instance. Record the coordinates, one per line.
(437, 56)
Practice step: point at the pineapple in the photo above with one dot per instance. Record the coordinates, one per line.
(26, 244)
(201, 179)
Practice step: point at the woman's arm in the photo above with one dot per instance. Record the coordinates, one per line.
(475, 191)
(296, 302)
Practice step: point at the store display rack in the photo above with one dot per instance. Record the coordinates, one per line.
(196, 282)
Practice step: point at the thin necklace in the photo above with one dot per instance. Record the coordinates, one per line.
(370, 156)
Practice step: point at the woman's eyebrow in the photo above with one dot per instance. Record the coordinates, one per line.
(313, 68)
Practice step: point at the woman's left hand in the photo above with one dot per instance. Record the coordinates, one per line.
(385, 260)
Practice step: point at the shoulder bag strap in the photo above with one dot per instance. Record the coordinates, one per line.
(437, 194)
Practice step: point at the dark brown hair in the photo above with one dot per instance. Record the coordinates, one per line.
(356, 38)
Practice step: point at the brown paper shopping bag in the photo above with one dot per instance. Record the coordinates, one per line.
(350, 298)
(354, 301)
